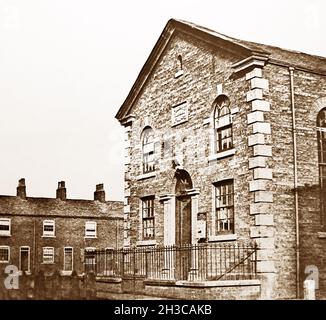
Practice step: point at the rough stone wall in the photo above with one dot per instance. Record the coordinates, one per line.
(236, 292)
(204, 68)
(308, 88)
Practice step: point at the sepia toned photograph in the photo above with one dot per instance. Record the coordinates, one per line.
(162, 150)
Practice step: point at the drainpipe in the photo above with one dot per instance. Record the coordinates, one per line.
(296, 198)
(34, 248)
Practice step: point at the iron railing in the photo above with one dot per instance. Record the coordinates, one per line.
(200, 262)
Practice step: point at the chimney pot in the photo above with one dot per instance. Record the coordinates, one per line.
(61, 191)
(100, 187)
(99, 194)
(61, 184)
(21, 189)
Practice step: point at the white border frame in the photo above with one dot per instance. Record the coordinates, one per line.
(5, 234)
(64, 259)
(88, 236)
(43, 248)
(48, 235)
(6, 247)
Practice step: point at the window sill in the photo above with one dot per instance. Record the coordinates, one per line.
(220, 155)
(223, 237)
(206, 121)
(3, 262)
(27, 273)
(49, 263)
(5, 235)
(174, 124)
(48, 236)
(146, 175)
(146, 243)
(178, 74)
(65, 273)
(322, 235)
(90, 237)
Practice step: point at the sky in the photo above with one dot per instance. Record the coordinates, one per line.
(66, 67)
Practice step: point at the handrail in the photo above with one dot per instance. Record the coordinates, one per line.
(238, 264)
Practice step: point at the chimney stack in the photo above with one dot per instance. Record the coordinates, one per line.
(21, 189)
(99, 194)
(61, 191)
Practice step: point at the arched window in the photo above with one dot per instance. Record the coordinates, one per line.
(321, 136)
(223, 124)
(148, 150)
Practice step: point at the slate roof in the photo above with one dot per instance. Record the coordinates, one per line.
(289, 57)
(70, 208)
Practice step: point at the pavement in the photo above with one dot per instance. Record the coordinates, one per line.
(128, 296)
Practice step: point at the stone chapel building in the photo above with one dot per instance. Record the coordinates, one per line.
(225, 143)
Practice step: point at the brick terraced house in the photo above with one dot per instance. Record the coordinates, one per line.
(51, 234)
(225, 150)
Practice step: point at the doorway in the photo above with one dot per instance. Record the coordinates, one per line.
(183, 224)
(24, 259)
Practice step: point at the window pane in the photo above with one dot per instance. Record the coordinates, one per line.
(224, 139)
(4, 254)
(224, 109)
(68, 258)
(224, 208)
(148, 218)
(90, 229)
(5, 227)
(48, 228)
(321, 136)
(321, 119)
(90, 260)
(148, 150)
(48, 255)
(223, 125)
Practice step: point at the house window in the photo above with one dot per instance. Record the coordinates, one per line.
(223, 124)
(24, 259)
(4, 254)
(90, 229)
(224, 207)
(68, 259)
(148, 218)
(5, 227)
(148, 150)
(48, 228)
(48, 255)
(90, 259)
(321, 136)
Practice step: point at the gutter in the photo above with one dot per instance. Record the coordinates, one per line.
(295, 168)
(285, 65)
(35, 269)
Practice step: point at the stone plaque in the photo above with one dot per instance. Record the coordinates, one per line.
(179, 113)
